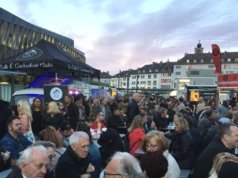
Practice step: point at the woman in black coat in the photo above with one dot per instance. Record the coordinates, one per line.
(181, 141)
(53, 117)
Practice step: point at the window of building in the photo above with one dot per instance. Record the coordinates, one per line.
(227, 66)
(229, 60)
(188, 61)
(150, 70)
(156, 70)
(195, 61)
(148, 82)
(211, 60)
(177, 67)
(155, 75)
(202, 60)
(165, 80)
(236, 59)
(166, 75)
(211, 66)
(194, 72)
(165, 86)
(143, 71)
(149, 76)
(154, 82)
(177, 73)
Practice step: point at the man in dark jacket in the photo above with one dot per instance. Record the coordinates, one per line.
(74, 161)
(5, 113)
(116, 120)
(13, 141)
(133, 107)
(226, 141)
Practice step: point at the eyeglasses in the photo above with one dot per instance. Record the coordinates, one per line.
(151, 146)
(106, 174)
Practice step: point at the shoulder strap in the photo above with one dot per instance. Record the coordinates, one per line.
(58, 152)
(130, 148)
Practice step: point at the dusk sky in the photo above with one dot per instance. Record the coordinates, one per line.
(122, 34)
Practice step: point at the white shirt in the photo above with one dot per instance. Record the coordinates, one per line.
(23, 175)
(173, 168)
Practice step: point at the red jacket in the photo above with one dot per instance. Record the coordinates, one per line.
(95, 125)
(135, 140)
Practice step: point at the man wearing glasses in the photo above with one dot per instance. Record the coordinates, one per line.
(123, 165)
(74, 161)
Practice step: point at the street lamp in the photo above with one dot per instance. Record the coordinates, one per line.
(127, 82)
(137, 77)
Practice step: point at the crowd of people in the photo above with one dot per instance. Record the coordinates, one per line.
(121, 136)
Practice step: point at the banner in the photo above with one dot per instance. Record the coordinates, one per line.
(216, 56)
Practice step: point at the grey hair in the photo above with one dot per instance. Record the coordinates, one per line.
(129, 165)
(74, 138)
(27, 155)
(46, 144)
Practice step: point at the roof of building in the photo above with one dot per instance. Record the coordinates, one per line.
(125, 73)
(206, 58)
(161, 67)
(105, 75)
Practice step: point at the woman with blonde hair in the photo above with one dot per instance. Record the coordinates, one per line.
(219, 159)
(53, 117)
(24, 107)
(136, 134)
(25, 115)
(201, 105)
(235, 117)
(156, 141)
(181, 143)
(25, 126)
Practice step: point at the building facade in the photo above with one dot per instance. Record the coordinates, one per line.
(16, 35)
(192, 69)
(155, 78)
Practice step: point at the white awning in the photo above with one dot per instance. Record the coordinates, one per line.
(4, 72)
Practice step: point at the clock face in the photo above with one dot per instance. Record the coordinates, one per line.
(56, 93)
